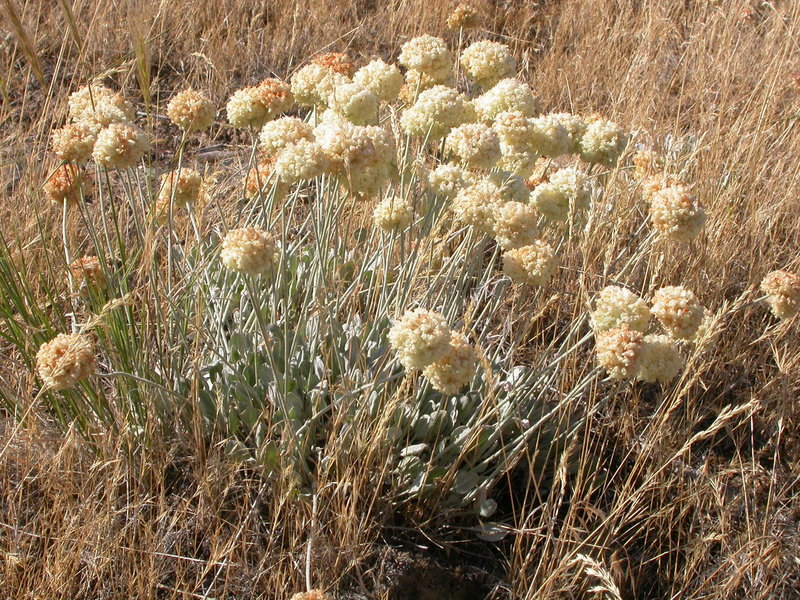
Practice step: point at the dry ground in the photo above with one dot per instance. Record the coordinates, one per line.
(701, 495)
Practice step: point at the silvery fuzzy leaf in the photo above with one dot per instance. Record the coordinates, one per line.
(465, 482)
(487, 508)
(491, 532)
(413, 450)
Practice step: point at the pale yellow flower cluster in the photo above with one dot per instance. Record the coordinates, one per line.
(65, 360)
(120, 146)
(191, 110)
(474, 144)
(392, 214)
(534, 264)
(783, 293)
(618, 307)
(603, 142)
(420, 337)
(453, 371)
(382, 79)
(435, 112)
(249, 250)
(255, 105)
(429, 55)
(488, 62)
(676, 213)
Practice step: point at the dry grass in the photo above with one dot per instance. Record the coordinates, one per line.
(699, 496)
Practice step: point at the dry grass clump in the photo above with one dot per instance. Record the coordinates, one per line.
(579, 217)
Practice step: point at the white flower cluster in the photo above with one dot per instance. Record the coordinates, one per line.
(66, 359)
(509, 95)
(282, 132)
(488, 62)
(428, 55)
(382, 79)
(120, 146)
(249, 250)
(451, 373)
(567, 188)
(191, 110)
(392, 214)
(783, 293)
(678, 311)
(420, 337)
(676, 213)
(474, 144)
(618, 307)
(436, 112)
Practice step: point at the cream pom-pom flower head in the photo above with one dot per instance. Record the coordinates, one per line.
(68, 184)
(676, 213)
(98, 106)
(477, 206)
(488, 62)
(392, 214)
(74, 142)
(660, 360)
(515, 225)
(249, 250)
(678, 311)
(619, 307)
(548, 136)
(566, 188)
(783, 293)
(474, 144)
(509, 95)
(313, 84)
(464, 16)
(191, 110)
(87, 272)
(277, 134)
(382, 79)
(429, 55)
(603, 142)
(356, 103)
(66, 359)
(253, 106)
(436, 112)
(533, 264)
(338, 62)
(447, 180)
(619, 352)
(575, 127)
(420, 337)
(182, 189)
(120, 146)
(451, 373)
(302, 160)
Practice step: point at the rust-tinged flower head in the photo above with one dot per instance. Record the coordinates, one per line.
(74, 142)
(464, 16)
(87, 274)
(619, 307)
(65, 360)
(420, 337)
(619, 352)
(783, 293)
(249, 250)
(261, 179)
(678, 311)
(68, 183)
(455, 369)
(191, 110)
(647, 163)
(655, 183)
(181, 189)
(254, 106)
(338, 62)
(676, 213)
(533, 264)
(120, 146)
